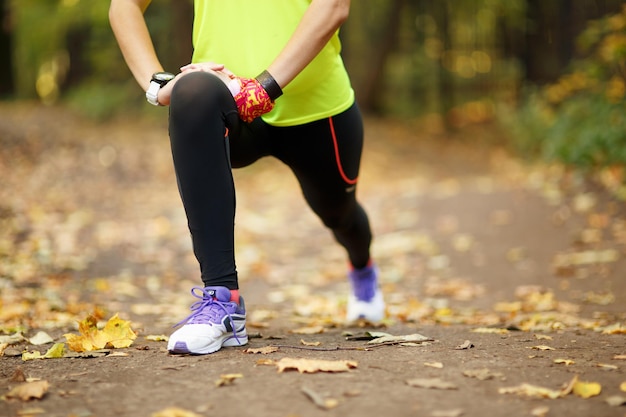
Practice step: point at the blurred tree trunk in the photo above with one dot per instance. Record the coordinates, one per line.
(371, 87)
(6, 50)
(181, 27)
(445, 81)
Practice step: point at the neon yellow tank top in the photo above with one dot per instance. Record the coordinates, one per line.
(246, 36)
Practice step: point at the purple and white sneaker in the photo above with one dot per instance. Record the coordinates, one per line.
(366, 300)
(215, 321)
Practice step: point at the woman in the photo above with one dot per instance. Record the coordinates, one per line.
(266, 79)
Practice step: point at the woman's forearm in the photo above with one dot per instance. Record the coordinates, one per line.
(320, 22)
(131, 32)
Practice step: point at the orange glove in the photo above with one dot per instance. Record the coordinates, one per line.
(252, 100)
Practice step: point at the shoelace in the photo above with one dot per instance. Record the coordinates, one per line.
(203, 308)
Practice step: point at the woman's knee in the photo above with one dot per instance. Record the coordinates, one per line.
(198, 89)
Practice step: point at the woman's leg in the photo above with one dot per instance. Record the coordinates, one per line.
(201, 108)
(325, 156)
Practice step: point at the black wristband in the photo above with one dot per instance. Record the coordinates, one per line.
(270, 85)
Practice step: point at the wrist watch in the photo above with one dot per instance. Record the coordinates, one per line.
(159, 79)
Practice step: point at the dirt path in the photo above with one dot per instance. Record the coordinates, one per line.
(516, 274)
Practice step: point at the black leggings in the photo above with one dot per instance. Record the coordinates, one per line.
(208, 139)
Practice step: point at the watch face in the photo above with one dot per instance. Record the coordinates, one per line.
(162, 77)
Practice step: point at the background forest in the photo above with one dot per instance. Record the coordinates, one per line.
(551, 72)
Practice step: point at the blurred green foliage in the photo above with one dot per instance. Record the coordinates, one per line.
(451, 63)
(580, 119)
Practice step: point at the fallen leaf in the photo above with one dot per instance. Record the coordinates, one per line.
(175, 412)
(619, 357)
(116, 333)
(482, 374)
(607, 367)
(314, 365)
(305, 343)
(542, 337)
(540, 411)
(227, 379)
(29, 390)
(270, 362)
(431, 383)
(567, 362)
(465, 345)
(118, 354)
(309, 330)
(56, 351)
(616, 400)
(157, 338)
(318, 400)
(622, 386)
(41, 338)
(542, 347)
(534, 391)
(408, 338)
(263, 350)
(490, 330)
(587, 389)
(437, 365)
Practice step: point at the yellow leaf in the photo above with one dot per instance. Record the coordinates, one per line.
(29, 356)
(567, 362)
(542, 347)
(175, 412)
(587, 389)
(535, 391)
(314, 365)
(263, 350)
(309, 330)
(622, 386)
(116, 333)
(438, 365)
(305, 343)
(227, 379)
(29, 390)
(490, 330)
(157, 338)
(56, 351)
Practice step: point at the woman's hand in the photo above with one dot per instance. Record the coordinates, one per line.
(165, 93)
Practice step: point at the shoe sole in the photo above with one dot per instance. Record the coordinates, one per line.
(181, 348)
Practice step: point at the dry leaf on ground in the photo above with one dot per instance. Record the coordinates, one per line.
(56, 351)
(616, 400)
(116, 333)
(175, 412)
(482, 374)
(434, 383)
(493, 330)
(263, 350)
(465, 345)
(309, 330)
(437, 365)
(227, 379)
(314, 365)
(567, 362)
(29, 390)
(541, 347)
(587, 389)
(534, 391)
(407, 338)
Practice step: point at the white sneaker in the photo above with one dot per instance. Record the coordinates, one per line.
(215, 322)
(366, 300)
